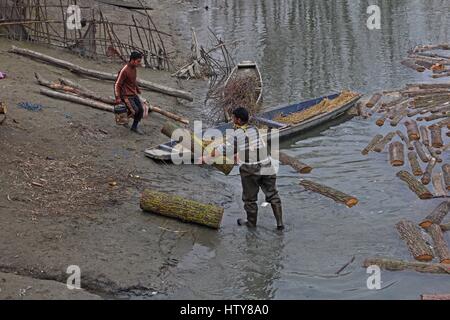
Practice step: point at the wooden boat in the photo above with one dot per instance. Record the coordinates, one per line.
(165, 151)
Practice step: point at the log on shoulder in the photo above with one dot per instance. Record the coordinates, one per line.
(396, 154)
(296, 164)
(439, 244)
(418, 188)
(400, 265)
(181, 208)
(437, 215)
(414, 240)
(329, 192)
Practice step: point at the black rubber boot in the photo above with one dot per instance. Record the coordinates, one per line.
(251, 220)
(278, 213)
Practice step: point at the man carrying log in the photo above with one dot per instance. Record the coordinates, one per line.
(127, 91)
(255, 167)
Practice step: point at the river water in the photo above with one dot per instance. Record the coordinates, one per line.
(306, 49)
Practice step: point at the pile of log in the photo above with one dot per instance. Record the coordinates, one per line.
(427, 58)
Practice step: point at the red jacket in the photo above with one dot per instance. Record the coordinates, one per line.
(126, 84)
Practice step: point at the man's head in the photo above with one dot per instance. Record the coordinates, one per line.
(240, 116)
(135, 58)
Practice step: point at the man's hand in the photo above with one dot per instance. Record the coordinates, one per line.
(117, 101)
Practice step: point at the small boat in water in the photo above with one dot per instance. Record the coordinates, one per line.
(268, 119)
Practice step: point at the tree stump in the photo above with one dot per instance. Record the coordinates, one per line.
(426, 178)
(296, 164)
(440, 245)
(412, 130)
(436, 136)
(396, 154)
(423, 155)
(329, 192)
(446, 173)
(372, 144)
(419, 189)
(437, 215)
(400, 265)
(181, 208)
(379, 147)
(414, 240)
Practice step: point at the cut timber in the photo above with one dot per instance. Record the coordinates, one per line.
(436, 216)
(372, 144)
(434, 154)
(99, 74)
(405, 140)
(440, 245)
(374, 100)
(435, 296)
(381, 120)
(334, 194)
(436, 136)
(438, 186)
(424, 135)
(415, 167)
(193, 142)
(421, 152)
(421, 191)
(379, 147)
(296, 164)
(414, 240)
(168, 114)
(410, 64)
(398, 117)
(400, 265)
(446, 173)
(77, 99)
(181, 208)
(445, 227)
(426, 179)
(412, 130)
(396, 154)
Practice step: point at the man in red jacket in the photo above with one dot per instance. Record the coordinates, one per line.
(126, 90)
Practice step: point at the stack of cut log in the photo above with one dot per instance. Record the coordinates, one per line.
(428, 57)
(423, 111)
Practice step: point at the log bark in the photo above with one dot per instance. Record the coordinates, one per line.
(405, 140)
(421, 152)
(414, 240)
(440, 245)
(424, 135)
(169, 128)
(99, 74)
(374, 100)
(415, 167)
(400, 265)
(296, 164)
(438, 186)
(436, 136)
(426, 178)
(435, 296)
(419, 189)
(181, 208)
(396, 154)
(446, 173)
(412, 130)
(379, 147)
(410, 64)
(372, 144)
(329, 192)
(436, 215)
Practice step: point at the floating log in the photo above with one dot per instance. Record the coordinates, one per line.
(445, 227)
(410, 64)
(379, 147)
(446, 173)
(423, 155)
(437, 116)
(434, 154)
(329, 192)
(414, 240)
(433, 85)
(415, 167)
(424, 135)
(372, 144)
(405, 140)
(436, 215)
(436, 136)
(441, 75)
(412, 130)
(419, 189)
(398, 117)
(380, 121)
(440, 245)
(435, 296)
(443, 123)
(426, 178)
(374, 100)
(438, 185)
(181, 208)
(415, 93)
(296, 164)
(99, 74)
(424, 63)
(400, 265)
(396, 154)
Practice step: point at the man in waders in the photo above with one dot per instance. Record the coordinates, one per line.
(255, 167)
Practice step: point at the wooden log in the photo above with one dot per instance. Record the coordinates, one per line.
(436, 215)
(435, 296)
(396, 154)
(426, 178)
(412, 130)
(418, 92)
(167, 114)
(329, 192)
(374, 100)
(439, 244)
(405, 140)
(445, 227)
(441, 75)
(379, 147)
(410, 64)
(99, 74)
(169, 128)
(398, 116)
(424, 135)
(400, 265)
(414, 240)
(436, 116)
(434, 154)
(415, 167)
(436, 136)
(423, 155)
(181, 208)
(424, 63)
(419, 189)
(438, 185)
(446, 174)
(372, 144)
(434, 85)
(296, 164)
(381, 120)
